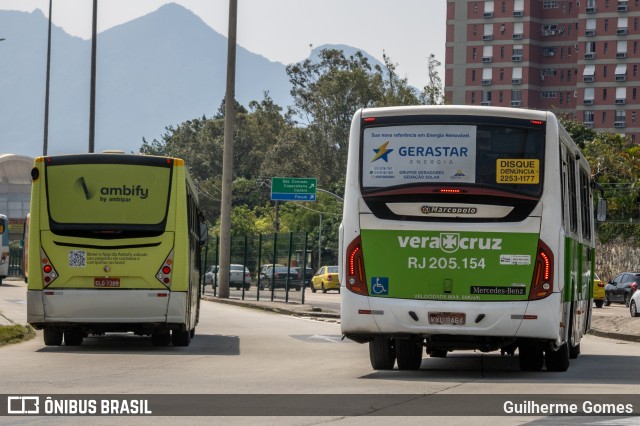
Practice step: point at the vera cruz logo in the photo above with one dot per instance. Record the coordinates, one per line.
(382, 152)
(450, 242)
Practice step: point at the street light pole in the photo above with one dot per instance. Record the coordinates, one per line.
(45, 141)
(92, 106)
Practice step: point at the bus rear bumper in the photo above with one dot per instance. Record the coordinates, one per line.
(363, 317)
(74, 306)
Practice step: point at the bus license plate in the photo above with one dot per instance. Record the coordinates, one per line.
(106, 282)
(447, 318)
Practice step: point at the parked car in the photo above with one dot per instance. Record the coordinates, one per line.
(598, 291)
(278, 278)
(209, 274)
(621, 288)
(308, 274)
(236, 274)
(326, 278)
(634, 304)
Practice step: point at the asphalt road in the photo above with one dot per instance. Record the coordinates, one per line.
(248, 352)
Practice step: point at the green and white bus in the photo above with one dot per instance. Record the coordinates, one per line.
(114, 246)
(466, 228)
(4, 247)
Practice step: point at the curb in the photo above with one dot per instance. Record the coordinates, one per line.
(616, 336)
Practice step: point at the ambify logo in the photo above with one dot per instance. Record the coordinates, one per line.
(23, 405)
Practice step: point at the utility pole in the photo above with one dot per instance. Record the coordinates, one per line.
(92, 101)
(227, 156)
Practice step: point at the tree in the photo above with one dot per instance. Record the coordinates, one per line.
(329, 90)
(433, 93)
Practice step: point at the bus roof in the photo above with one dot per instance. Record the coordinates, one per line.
(457, 110)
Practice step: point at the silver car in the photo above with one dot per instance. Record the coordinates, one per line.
(236, 275)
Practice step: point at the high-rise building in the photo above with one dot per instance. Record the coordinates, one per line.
(579, 58)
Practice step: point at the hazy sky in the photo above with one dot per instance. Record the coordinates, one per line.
(283, 30)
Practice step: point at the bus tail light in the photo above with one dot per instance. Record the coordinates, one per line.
(542, 283)
(165, 271)
(356, 281)
(49, 273)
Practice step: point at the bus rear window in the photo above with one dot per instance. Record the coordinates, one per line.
(503, 157)
(107, 196)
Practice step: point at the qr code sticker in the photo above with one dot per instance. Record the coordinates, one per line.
(77, 258)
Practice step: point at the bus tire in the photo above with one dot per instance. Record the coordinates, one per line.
(181, 337)
(409, 354)
(558, 360)
(382, 353)
(530, 357)
(574, 351)
(161, 338)
(633, 309)
(438, 353)
(52, 336)
(73, 338)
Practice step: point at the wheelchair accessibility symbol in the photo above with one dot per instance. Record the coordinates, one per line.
(380, 286)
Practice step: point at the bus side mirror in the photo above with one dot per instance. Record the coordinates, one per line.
(204, 233)
(601, 213)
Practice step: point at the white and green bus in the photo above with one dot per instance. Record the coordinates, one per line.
(114, 246)
(466, 228)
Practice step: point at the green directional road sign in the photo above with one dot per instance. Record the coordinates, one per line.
(293, 189)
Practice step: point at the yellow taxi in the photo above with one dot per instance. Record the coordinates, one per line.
(598, 291)
(325, 278)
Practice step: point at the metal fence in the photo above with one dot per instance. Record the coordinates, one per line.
(284, 251)
(16, 260)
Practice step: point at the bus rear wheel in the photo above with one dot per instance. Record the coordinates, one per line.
(530, 357)
(73, 338)
(52, 336)
(382, 353)
(558, 360)
(181, 337)
(409, 353)
(161, 338)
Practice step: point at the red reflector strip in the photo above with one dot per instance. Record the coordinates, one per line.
(530, 317)
(369, 119)
(49, 293)
(162, 295)
(370, 312)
